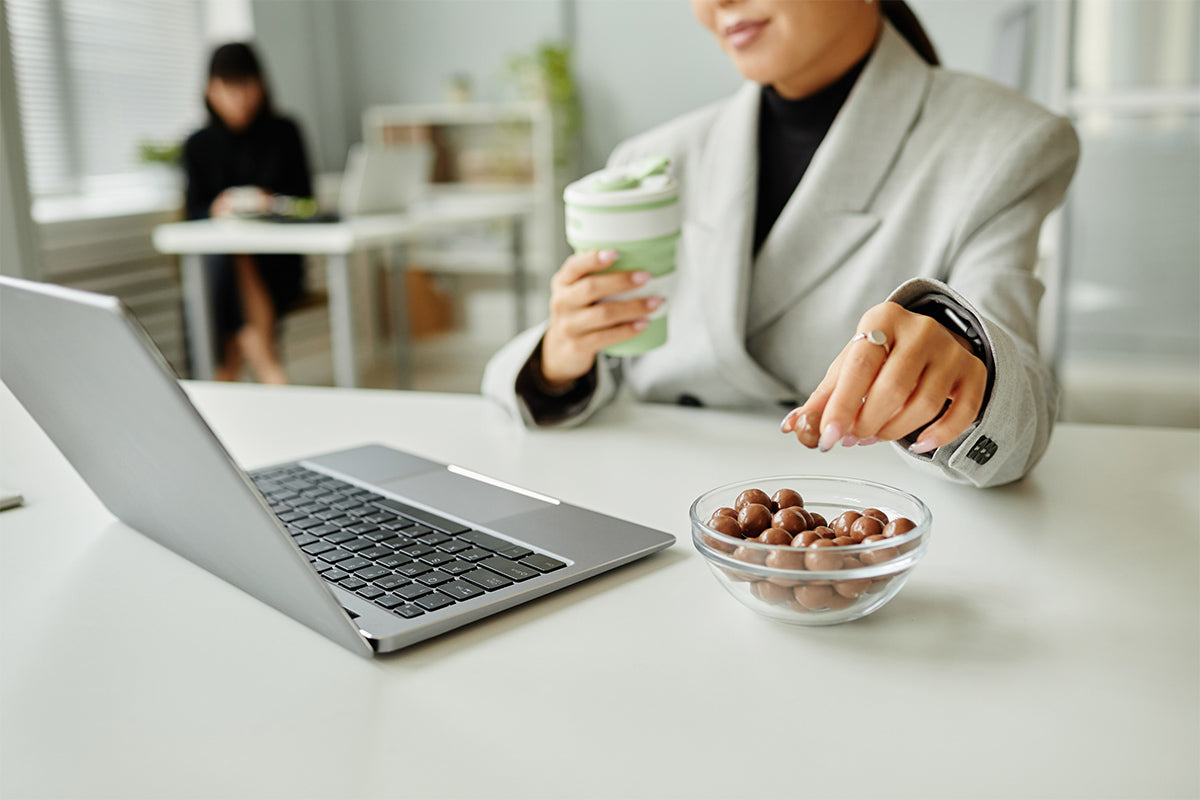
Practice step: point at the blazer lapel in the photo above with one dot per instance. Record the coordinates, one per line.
(827, 217)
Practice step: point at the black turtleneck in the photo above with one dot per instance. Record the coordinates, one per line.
(268, 153)
(789, 132)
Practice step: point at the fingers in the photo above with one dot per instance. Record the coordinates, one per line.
(581, 264)
(601, 316)
(861, 362)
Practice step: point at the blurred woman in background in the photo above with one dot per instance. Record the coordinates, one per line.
(246, 154)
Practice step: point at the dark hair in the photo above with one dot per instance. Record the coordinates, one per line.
(906, 23)
(234, 62)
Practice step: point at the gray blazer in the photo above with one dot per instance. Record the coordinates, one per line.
(927, 182)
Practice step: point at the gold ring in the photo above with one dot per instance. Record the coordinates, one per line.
(874, 337)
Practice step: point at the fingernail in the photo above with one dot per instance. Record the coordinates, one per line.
(849, 440)
(608, 256)
(784, 427)
(638, 277)
(641, 324)
(922, 446)
(869, 441)
(829, 437)
(653, 302)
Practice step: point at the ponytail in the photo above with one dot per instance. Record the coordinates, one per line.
(906, 23)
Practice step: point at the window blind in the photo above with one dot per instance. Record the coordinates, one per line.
(95, 78)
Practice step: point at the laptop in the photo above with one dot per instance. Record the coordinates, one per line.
(384, 179)
(373, 547)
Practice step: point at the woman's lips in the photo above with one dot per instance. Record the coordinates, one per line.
(744, 32)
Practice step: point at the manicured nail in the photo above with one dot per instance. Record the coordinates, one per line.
(653, 302)
(868, 441)
(784, 427)
(638, 277)
(829, 437)
(849, 440)
(922, 446)
(641, 324)
(608, 256)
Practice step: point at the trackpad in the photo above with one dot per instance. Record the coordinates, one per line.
(469, 499)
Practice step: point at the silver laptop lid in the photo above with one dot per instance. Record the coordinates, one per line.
(87, 373)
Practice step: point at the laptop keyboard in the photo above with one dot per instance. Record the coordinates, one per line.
(402, 559)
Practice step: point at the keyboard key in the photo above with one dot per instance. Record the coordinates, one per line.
(306, 523)
(460, 590)
(370, 592)
(352, 583)
(338, 538)
(487, 580)
(292, 516)
(389, 601)
(508, 568)
(436, 559)
(376, 552)
(379, 535)
(380, 519)
(361, 529)
(302, 539)
(454, 546)
(394, 560)
(416, 550)
(412, 569)
(353, 564)
(435, 578)
(412, 591)
(391, 581)
(323, 530)
(317, 547)
(336, 556)
(372, 572)
(408, 611)
(457, 567)
(333, 574)
(515, 552)
(417, 531)
(398, 524)
(327, 514)
(474, 554)
(433, 602)
(354, 545)
(433, 520)
(322, 567)
(434, 538)
(484, 540)
(542, 563)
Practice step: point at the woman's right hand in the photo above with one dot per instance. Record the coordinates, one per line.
(582, 322)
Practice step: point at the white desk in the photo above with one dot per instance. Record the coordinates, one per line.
(1048, 645)
(336, 241)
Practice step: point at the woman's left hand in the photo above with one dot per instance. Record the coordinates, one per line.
(876, 392)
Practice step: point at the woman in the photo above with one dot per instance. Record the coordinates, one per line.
(893, 284)
(246, 154)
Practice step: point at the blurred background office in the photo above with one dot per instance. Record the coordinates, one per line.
(526, 95)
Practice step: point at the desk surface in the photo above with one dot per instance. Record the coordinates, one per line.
(240, 235)
(1048, 645)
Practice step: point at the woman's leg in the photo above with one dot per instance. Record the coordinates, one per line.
(256, 339)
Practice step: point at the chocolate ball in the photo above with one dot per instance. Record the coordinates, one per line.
(751, 555)
(786, 498)
(791, 519)
(771, 593)
(815, 520)
(898, 527)
(752, 497)
(877, 514)
(808, 431)
(842, 541)
(805, 538)
(852, 588)
(843, 521)
(725, 511)
(820, 557)
(775, 536)
(825, 533)
(864, 527)
(813, 597)
(837, 602)
(754, 518)
(785, 559)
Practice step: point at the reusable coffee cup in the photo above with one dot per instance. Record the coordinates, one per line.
(634, 210)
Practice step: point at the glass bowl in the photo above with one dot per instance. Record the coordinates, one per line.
(814, 585)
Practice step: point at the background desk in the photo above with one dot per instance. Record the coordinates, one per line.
(336, 241)
(1048, 645)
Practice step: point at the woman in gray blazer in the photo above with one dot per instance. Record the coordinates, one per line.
(894, 284)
